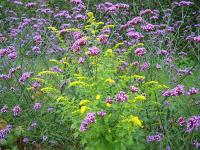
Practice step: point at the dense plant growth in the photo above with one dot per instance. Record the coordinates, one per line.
(105, 76)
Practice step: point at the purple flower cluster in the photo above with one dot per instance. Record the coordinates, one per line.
(140, 51)
(4, 109)
(89, 119)
(101, 113)
(121, 96)
(134, 89)
(30, 5)
(109, 100)
(56, 69)
(177, 91)
(193, 91)
(10, 51)
(110, 8)
(135, 21)
(103, 38)
(16, 110)
(144, 66)
(193, 123)
(135, 35)
(183, 3)
(37, 106)
(4, 132)
(181, 121)
(148, 27)
(93, 51)
(24, 77)
(197, 39)
(10, 73)
(78, 43)
(151, 138)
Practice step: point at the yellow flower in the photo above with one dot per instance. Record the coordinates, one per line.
(108, 104)
(140, 98)
(47, 72)
(83, 109)
(151, 82)
(136, 121)
(61, 99)
(98, 97)
(108, 26)
(110, 81)
(83, 102)
(39, 80)
(78, 83)
(90, 14)
(137, 77)
(109, 53)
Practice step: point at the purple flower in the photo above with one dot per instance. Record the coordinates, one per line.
(38, 39)
(148, 27)
(25, 140)
(144, 12)
(37, 106)
(135, 35)
(81, 60)
(89, 119)
(5, 131)
(121, 96)
(77, 35)
(181, 121)
(76, 1)
(16, 110)
(144, 66)
(183, 3)
(109, 100)
(93, 51)
(197, 39)
(78, 43)
(4, 109)
(25, 76)
(158, 66)
(30, 5)
(152, 138)
(12, 55)
(101, 113)
(56, 69)
(193, 123)
(134, 89)
(36, 50)
(177, 91)
(193, 91)
(140, 51)
(103, 38)
(36, 85)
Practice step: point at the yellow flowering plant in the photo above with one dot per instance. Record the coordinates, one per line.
(88, 84)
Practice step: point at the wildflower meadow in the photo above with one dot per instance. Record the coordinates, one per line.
(99, 75)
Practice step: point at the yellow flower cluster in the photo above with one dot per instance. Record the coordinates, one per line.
(140, 98)
(136, 121)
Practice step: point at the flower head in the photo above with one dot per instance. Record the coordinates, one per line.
(121, 96)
